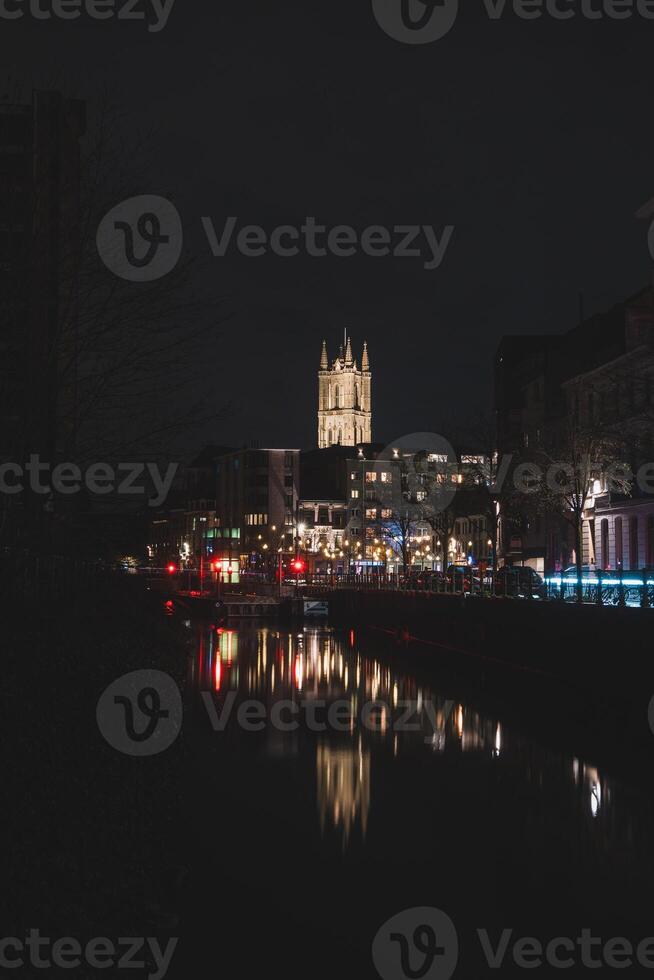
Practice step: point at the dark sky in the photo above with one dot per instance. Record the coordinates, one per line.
(533, 138)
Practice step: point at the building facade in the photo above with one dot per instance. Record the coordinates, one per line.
(238, 508)
(344, 398)
(615, 399)
(593, 385)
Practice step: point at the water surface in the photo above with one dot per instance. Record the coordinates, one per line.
(306, 835)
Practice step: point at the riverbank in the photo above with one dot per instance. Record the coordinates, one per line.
(92, 832)
(590, 669)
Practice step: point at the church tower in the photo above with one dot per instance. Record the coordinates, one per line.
(344, 398)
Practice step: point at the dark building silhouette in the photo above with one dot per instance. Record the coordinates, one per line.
(598, 374)
(39, 242)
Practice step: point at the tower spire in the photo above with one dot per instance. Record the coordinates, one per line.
(344, 402)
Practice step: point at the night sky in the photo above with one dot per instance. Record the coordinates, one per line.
(533, 138)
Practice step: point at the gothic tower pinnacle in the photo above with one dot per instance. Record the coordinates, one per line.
(344, 398)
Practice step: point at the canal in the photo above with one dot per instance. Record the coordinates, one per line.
(329, 788)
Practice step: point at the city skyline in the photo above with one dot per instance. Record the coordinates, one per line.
(530, 232)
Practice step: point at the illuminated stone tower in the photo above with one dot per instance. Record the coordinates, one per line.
(344, 398)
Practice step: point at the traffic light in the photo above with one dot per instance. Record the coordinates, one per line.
(172, 569)
(297, 565)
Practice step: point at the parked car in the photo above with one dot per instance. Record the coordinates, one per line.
(422, 579)
(519, 580)
(587, 571)
(463, 575)
(431, 581)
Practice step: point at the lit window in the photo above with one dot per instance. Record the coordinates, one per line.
(371, 477)
(355, 494)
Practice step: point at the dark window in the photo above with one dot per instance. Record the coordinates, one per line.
(604, 540)
(618, 542)
(650, 541)
(633, 542)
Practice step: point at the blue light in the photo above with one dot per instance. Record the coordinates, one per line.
(631, 582)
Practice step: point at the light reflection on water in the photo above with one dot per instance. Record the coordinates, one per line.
(313, 666)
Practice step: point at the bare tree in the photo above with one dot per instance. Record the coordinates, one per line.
(582, 454)
(113, 369)
(126, 354)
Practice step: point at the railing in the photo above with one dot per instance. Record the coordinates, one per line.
(633, 589)
(630, 590)
(27, 576)
(459, 582)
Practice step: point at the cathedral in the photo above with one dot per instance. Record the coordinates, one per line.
(344, 398)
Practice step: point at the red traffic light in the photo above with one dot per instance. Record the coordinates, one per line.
(297, 565)
(172, 569)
